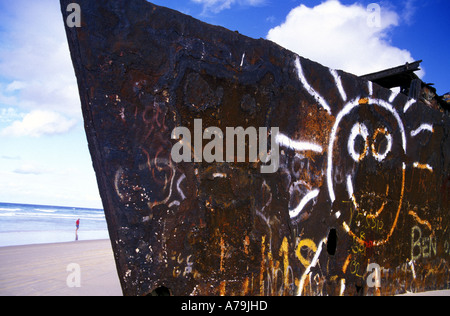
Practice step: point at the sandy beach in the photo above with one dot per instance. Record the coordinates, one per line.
(43, 270)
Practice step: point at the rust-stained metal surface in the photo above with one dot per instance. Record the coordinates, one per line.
(358, 206)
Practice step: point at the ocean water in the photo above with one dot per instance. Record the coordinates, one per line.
(22, 224)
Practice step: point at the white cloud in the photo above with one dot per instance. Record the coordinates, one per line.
(8, 115)
(409, 11)
(216, 6)
(340, 37)
(10, 157)
(35, 65)
(30, 169)
(38, 123)
(15, 86)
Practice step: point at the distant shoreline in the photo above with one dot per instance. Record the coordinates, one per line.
(46, 238)
(55, 206)
(29, 224)
(59, 243)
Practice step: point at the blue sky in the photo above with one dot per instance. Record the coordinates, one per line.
(44, 157)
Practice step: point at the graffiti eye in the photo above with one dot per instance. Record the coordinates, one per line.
(358, 142)
(381, 144)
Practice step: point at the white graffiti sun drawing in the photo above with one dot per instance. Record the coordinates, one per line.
(361, 142)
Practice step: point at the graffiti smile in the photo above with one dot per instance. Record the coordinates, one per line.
(376, 201)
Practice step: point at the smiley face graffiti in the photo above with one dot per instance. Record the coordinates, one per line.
(369, 176)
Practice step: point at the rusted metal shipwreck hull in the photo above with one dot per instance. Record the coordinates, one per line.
(358, 205)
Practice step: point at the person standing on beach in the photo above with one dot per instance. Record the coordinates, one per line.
(76, 231)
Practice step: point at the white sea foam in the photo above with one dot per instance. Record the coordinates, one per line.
(5, 209)
(45, 210)
(29, 224)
